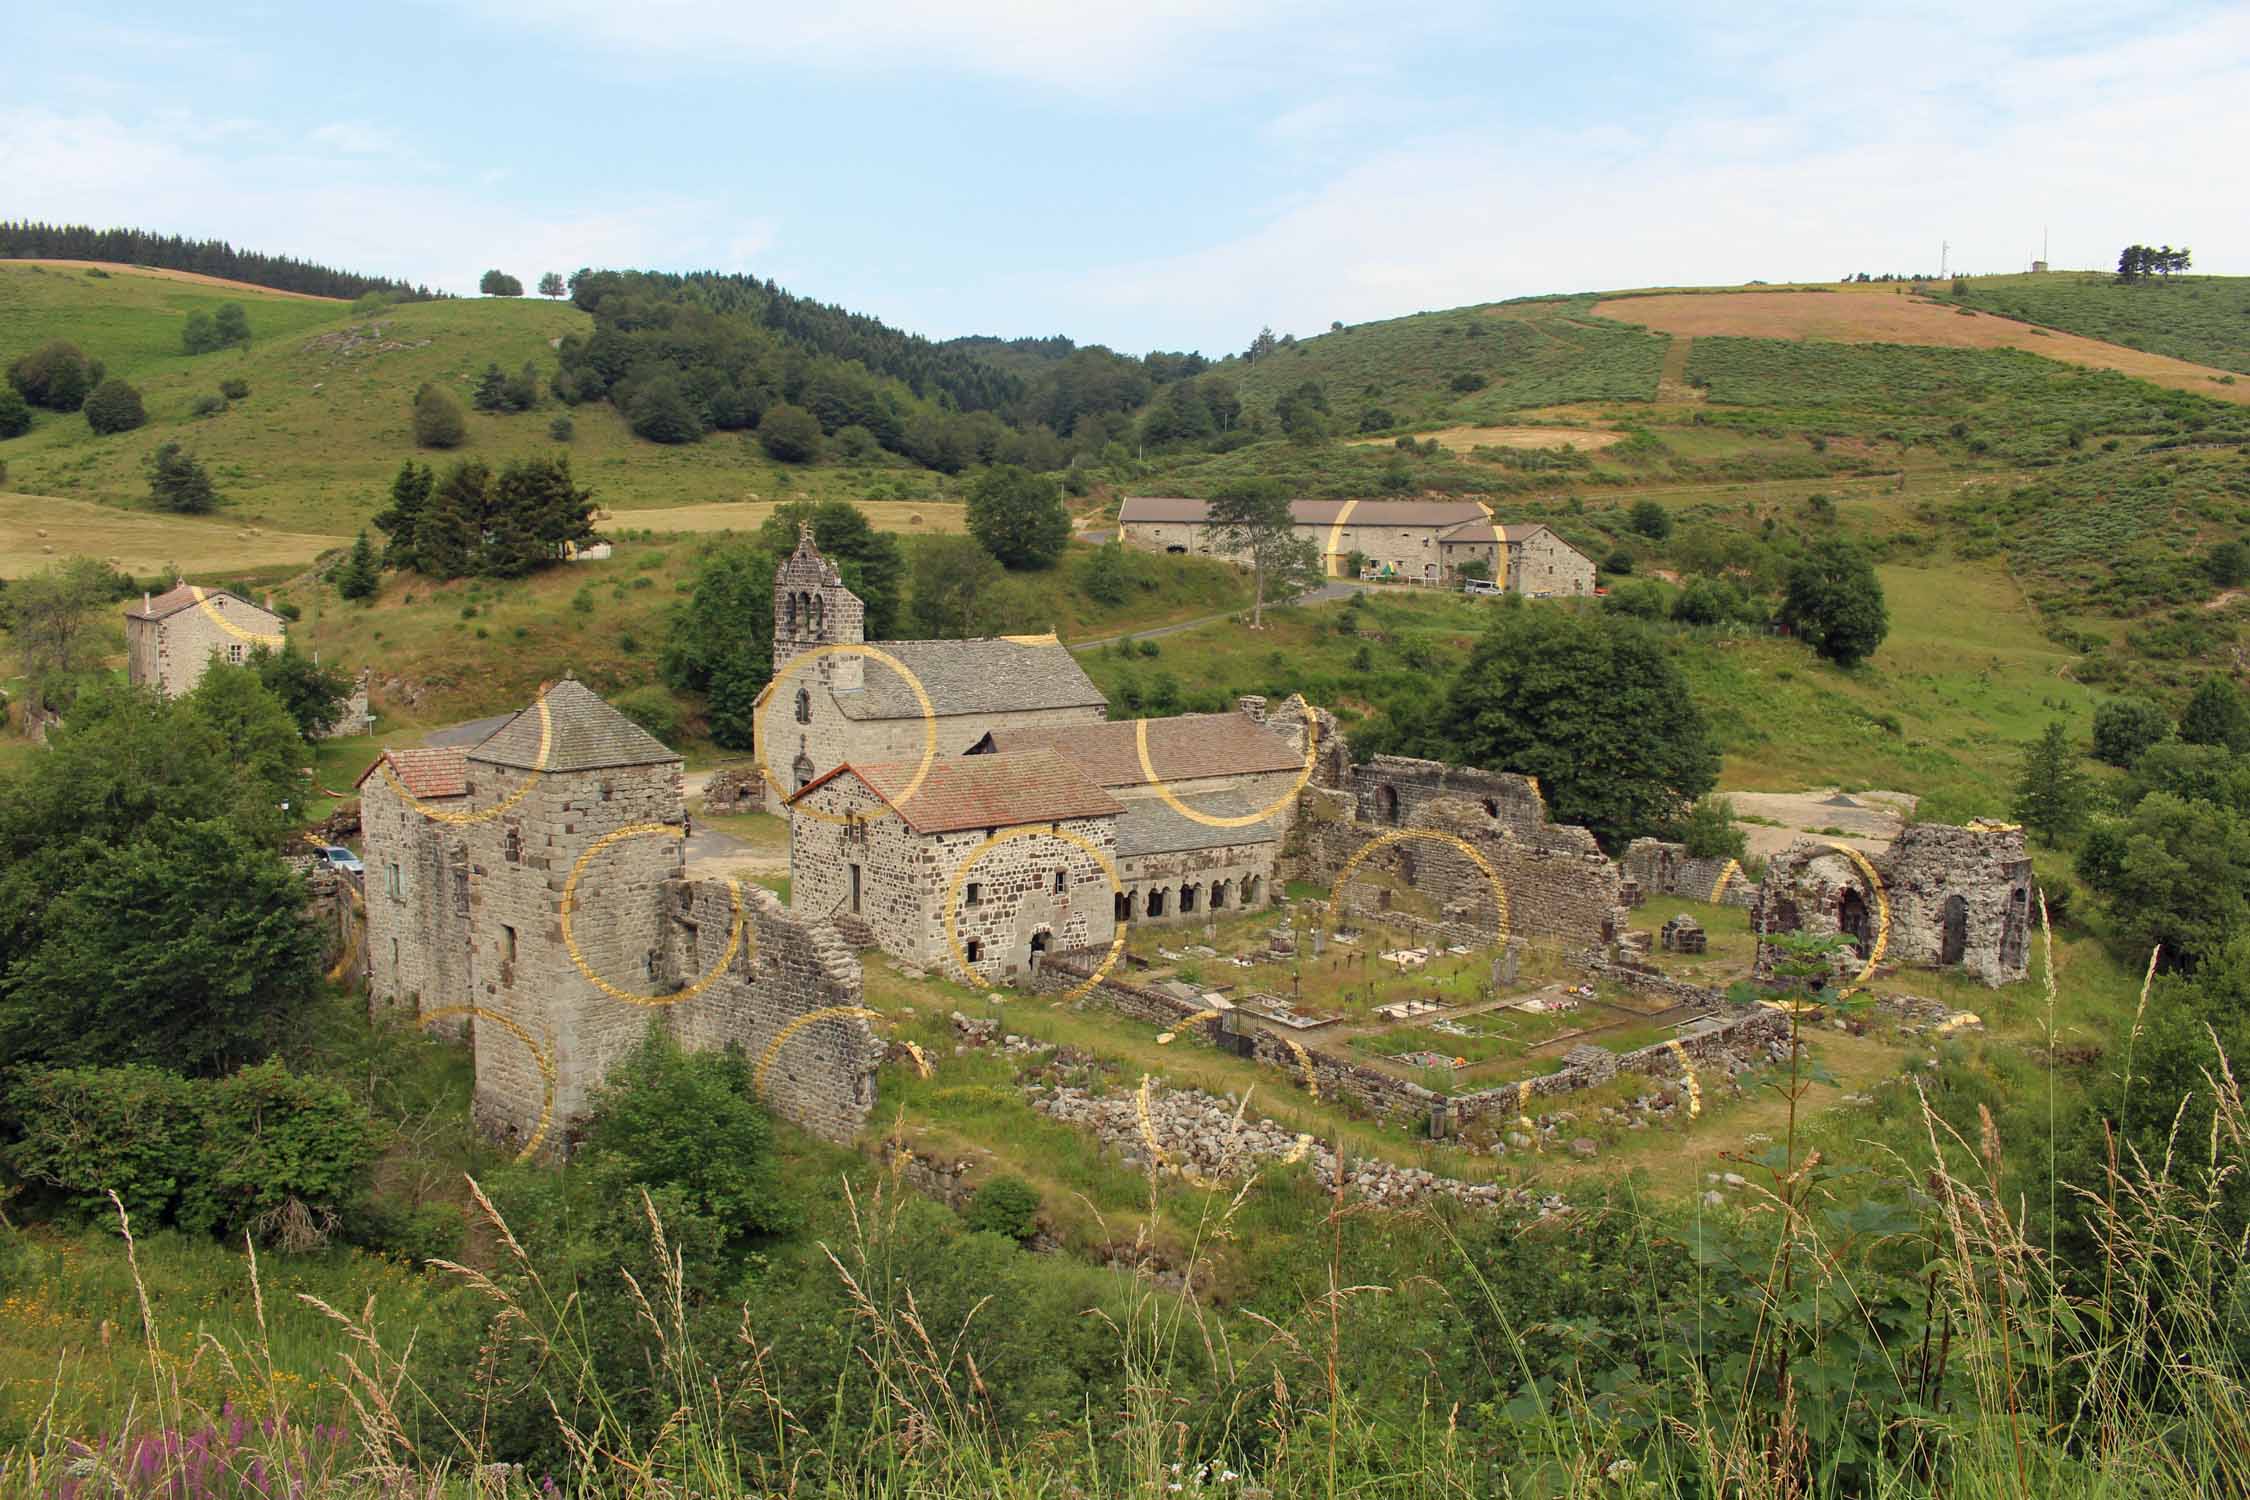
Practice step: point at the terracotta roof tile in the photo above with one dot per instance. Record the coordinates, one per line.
(1187, 747)
(425, 772)
(982, 791)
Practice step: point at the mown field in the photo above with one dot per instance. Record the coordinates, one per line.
(2201, 318)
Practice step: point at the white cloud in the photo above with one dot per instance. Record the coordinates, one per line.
(2107, 143)
(355, 138)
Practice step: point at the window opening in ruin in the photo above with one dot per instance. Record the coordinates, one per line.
(819, 613)
(1218, 895)
(803, 771)
(1039, 942)
(1188, 893)
(1853, 917)
(1954, 945)
(1785, 918)
(1250, 884)
(1059, 882)
(609, 790)
(974, 895)
(855, 890)
(976, 950)
(2015, 929)
(804, 705)
(507, 943)
(789, 614)
(1156, 903)
(1386, 803)
(392, 883)
(1121, 907)
(394, 954)
(1492, 807)
(511, 846)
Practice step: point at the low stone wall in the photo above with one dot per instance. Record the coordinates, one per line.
(1652, 982)
(1376, 1091)
(1662, 869)
(1661, 1060)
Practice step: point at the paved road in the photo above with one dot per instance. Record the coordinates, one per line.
(1327, 593)
(475, 732)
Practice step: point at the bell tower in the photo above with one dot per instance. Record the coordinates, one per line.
(811, 608)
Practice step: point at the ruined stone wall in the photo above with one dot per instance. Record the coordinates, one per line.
(1664, 869)
(1660, 1060)
(1957, 897)
(1391, 790)
(750, 992)
(1558, 883)
(417, 905)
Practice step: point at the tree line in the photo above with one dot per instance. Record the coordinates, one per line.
(22, 239)
(2139, 262)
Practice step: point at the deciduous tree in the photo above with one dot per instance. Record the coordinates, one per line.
(551, 284)
(114, 406)
(1019, 517)
(438, 422)
(1252, 519)
(953, 582)
(1834, 602)
(59, 623)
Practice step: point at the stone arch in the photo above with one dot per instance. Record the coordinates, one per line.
(1189, 896)
(1953, 940)
(1252, 888)
(804, 705)
(1386, 803)
(803, 771)
(819, 613)
(789, 614)
(1121, 906)
(1156, 902)
(1218, 895)
(1857, 919)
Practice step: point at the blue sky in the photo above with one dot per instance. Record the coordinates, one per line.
(1162, 175)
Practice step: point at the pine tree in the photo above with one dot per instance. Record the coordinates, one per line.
(2051, 791)
(359, 580)
(410, 498)
(2217, 714)
(492, 390)
(176, 482)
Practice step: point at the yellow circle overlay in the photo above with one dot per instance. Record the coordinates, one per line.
(781, 1038)
(1882, 918)
(203, 602)
(1398, 835)
(951, 920)
(1727, 872)
(735, 933)
(1246, 820)
(539, 1056)
(465, 819)
(906, 674)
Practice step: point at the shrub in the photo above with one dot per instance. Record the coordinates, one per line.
(1651, 520)
(1467, 381)
(562, 429)
(2228, 564)
(1005, 1205)
(2126, 727)
(56, 375)
(653, 709)
(207, 405)
(790, 434)
(234, 388)
(15, 413)
(1709, 831)
(438, 422)
(114, 406)
(1376, 418)
(1619, 561)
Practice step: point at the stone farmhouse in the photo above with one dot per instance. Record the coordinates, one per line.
(1417, 541)
(530, 892)
(171, 639)
(838, 705)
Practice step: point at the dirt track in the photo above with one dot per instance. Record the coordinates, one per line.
(1858, 318)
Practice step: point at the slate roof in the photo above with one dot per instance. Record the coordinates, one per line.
(424, 771)
(182, 596)
(981, 791)
(1188, 747)
(972, 677)
(1150, 825)
(1312, 512)
(1480, 530)
(588, 735)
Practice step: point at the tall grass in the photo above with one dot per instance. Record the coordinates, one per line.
(2025, 1377)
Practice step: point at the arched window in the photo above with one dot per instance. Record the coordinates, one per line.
(804, 705)
(1251, 887)
(789, 614)
(804, 772)
(1386, 803)
(1218, 895)
(1156, 903)
(819, 613)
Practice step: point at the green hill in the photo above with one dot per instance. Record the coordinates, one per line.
(2201, 318)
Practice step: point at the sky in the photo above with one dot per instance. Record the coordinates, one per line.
(1168, 174)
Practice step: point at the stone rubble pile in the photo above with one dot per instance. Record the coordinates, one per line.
(1199, 1135)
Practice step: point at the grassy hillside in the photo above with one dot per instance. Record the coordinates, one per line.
(325, 426)
(2200, 318)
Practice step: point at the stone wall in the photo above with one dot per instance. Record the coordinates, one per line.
(417, 905)
(822, 1076)
(1008, 903)
(1544, 563)
(1238, 877)
(1558, 883)
(1957, 897)
(1662, 869)
(1661, 1060)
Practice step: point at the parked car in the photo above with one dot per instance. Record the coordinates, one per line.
(337, 857)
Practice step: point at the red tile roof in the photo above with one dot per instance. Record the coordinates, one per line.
(1185, 748)
(981, 791)
(425, 772)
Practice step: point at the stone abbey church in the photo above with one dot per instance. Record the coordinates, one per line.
(915, 775)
